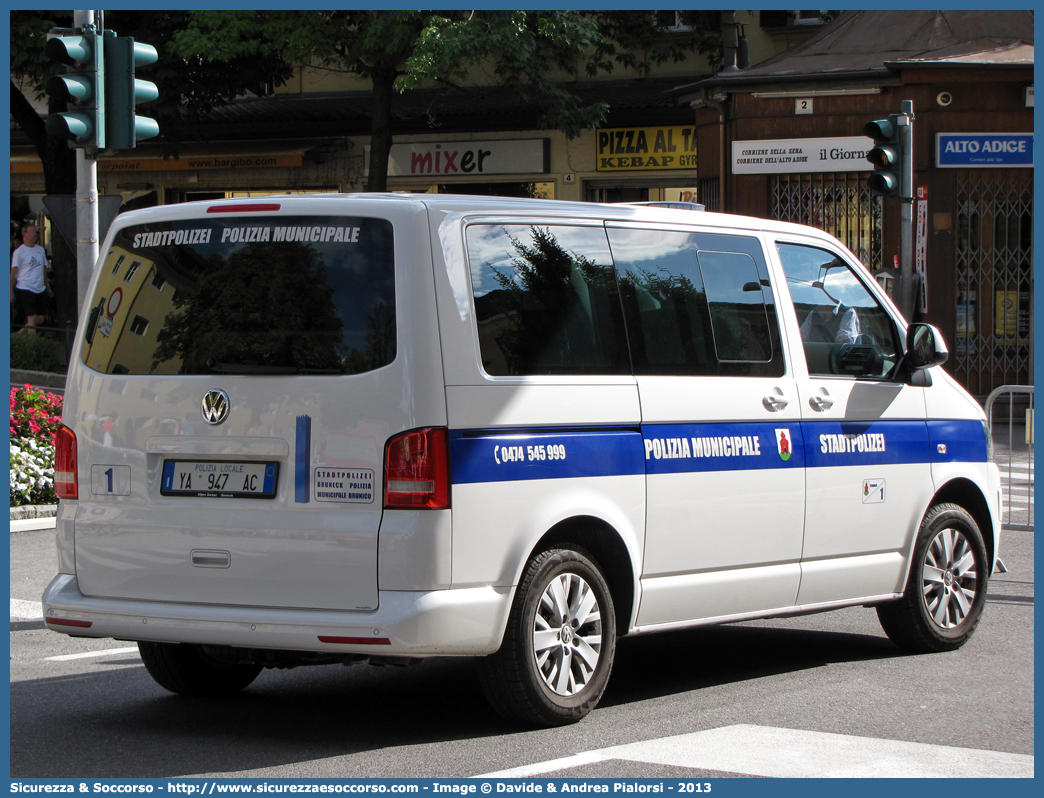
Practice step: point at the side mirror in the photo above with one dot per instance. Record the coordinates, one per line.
(925, 347)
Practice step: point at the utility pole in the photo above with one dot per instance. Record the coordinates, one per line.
(906, 220)
(86, 199)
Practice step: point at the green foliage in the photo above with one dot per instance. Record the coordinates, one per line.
(35, 416)
(358, 42)
(32, 473)
(36, 353)
(528, 48)
(524, 49)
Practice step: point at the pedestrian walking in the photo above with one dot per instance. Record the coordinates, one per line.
(29, 282)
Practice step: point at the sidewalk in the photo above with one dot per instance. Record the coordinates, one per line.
(41, 516)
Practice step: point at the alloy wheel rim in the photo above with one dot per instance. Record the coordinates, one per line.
(567, 634)
(949, 579)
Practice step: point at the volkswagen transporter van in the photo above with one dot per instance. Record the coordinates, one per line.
(304, 430)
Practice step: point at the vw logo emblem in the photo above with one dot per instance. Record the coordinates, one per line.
(215, 406)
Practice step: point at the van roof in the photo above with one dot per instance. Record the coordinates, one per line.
(364, 203)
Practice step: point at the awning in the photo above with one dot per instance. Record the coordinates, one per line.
(192, 156)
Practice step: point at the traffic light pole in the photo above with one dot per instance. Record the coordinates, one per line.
(906, 194)
(86, 201)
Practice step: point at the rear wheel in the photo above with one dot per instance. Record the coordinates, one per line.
(558, 649)
(185, 669)
(946, 590)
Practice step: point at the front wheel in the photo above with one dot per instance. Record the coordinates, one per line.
(558, 649)
(187, 670)
(946, 590)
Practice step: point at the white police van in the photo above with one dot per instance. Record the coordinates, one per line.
(303, 430)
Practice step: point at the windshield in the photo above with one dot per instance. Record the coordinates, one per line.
(245, 295)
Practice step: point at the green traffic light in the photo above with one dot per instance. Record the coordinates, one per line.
(82, 86)
(883, 157)
(69, 50)
(124, 91)
(72, 87)
(884, 183)
(881, 130)
(77, 128)
(145, 91)
(144, 54)
(145, 128)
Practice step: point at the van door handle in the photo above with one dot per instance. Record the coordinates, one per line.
(820, 403)
(774, 403)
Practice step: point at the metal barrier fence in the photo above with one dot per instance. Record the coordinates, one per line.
(1012, 424)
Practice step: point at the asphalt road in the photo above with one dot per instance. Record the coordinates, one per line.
(835, 674)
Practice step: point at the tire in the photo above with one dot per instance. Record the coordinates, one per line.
(186, 670)
(558, 649)
(946, 590)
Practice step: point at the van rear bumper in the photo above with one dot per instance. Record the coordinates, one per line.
(468, 621)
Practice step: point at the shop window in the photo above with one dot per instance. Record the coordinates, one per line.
(993, 267)
(532, 190)
(840, 204)
(618, 194)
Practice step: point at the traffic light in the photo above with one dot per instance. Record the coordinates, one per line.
(886, 155)
(123, 91)
(82, 86)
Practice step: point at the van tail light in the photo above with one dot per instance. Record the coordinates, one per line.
(65, 482)
(416, 470)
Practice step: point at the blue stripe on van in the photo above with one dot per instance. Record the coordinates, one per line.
(962, 441)
(747, 446)
(503, 456)
(834, 443)
(302, 460)
(494, 456)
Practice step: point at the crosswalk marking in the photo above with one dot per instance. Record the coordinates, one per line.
(86, 654)
(29, 610)
(793, 753)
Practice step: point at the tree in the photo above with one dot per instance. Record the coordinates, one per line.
(188, 89)
(400, 50)
(528, 48)
(371, 44)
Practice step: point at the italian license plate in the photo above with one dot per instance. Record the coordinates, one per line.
(209, 479)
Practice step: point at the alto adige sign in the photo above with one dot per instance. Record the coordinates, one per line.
(785, 156)
(997, 150)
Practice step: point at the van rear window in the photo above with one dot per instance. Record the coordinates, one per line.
(248, 295)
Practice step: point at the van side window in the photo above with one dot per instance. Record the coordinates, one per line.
(737, 307)
(844, 330)
(546, 300)
(697, 304)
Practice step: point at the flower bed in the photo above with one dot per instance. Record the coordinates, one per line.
(35, 416)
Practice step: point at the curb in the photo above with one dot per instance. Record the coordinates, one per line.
(33, 524)
(38, 379)
(30, 511)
